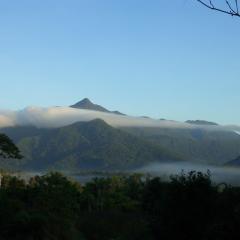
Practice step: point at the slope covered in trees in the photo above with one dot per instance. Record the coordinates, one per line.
(197, 145)
(97, 145)
(84, 145)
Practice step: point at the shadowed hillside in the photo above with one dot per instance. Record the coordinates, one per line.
(196, 145)
(84, 145)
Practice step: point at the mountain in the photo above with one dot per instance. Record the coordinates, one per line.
(98, 146)
(83, 145)
(201, 122)
(199, 145)
(57, 137)
(87, 104)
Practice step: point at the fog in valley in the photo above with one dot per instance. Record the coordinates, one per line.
(54, 117)
(219, 174)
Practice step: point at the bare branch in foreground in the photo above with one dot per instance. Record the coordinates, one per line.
(230, 10)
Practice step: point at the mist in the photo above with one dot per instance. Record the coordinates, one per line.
(62, 116)
(54, 117)
(218, 174)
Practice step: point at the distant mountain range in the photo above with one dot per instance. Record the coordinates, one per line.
(88, 136)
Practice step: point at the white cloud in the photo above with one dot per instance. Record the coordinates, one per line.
(62, 116)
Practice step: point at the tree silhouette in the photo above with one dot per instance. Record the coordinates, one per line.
(7, 148)
(231, 7)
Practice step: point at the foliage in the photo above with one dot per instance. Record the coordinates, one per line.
(132, 207)
(8, 148)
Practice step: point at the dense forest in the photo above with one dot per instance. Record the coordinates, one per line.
(95, 145)
(189, 206)
(83, 145)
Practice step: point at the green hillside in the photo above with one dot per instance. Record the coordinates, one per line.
(195, 145)
(95, 145)
(84, 145)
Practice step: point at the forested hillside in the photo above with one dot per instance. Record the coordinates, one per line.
(198, 145)
(84, 145)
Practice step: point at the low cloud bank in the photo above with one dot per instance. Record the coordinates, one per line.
(218, 174)
(62, 116)
(53, 117)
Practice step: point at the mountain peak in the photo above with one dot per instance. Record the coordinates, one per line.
(87, 104)
(85, 101)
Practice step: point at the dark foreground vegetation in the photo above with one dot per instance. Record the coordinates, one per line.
(190, 207)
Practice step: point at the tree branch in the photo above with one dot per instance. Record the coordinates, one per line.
(230, 7)
(231, 11)
(236, 2)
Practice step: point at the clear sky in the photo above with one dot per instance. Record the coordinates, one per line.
(166, 59)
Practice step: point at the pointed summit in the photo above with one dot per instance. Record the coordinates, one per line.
(85, 101)
(87, 104)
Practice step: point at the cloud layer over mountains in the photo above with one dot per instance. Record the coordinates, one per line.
(61, 116)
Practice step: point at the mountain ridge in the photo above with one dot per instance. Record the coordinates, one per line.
(201, 122)
(85, 145)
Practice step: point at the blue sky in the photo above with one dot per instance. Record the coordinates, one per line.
(166, 59)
